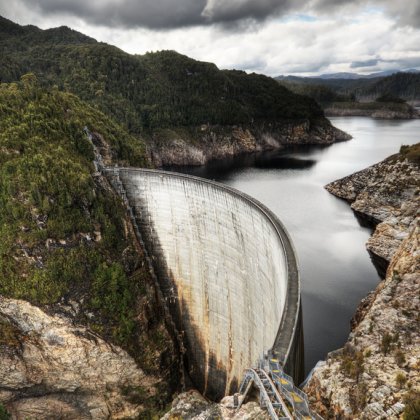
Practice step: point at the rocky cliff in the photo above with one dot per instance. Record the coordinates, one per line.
(192, 406)
(385, 195)
(376, 374)
(51, 368)
(207, 142)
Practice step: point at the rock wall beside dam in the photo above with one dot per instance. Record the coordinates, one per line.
(226, 269)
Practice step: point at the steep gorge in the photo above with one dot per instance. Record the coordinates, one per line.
(376, 374)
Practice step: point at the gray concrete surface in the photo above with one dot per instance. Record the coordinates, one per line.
(226, 268)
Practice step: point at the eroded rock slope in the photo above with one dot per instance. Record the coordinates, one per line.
(52, 368)
(376, 374)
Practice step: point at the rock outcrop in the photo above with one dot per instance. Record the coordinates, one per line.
(202, 144)
(50, 368)
(386, 195)
(376, 374)
(193, 406)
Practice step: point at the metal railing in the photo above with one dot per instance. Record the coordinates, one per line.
(269, 397)
(286, 399)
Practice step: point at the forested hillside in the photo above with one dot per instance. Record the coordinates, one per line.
(64, 234)
(403, 85)
(322, 94)
(156, 90)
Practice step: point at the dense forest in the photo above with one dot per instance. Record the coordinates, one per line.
(400, 85)
(155, 90)
(403, 85)
(323, 95)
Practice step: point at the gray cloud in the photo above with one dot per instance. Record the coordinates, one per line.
(406, 62)
(403, 12)
(364, 63)
(407, 12)
(255, 64)
(169, 14)
(234, 10)
(155, 14)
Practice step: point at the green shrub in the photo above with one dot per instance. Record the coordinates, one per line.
(400, 379)
(358, 397)
(47, 193)
(399, 357)
(353, 364)
(386, 343)
(112, 294)
(4, 414)
(412, 406)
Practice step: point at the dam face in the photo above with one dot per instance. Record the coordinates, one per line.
(226, 269)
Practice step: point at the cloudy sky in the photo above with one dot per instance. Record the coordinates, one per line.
(266, 36)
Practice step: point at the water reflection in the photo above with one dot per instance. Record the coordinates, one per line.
(336, 270)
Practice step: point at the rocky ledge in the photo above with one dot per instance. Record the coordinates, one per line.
(387, 196)
(199, 145)
(193, 406)
(376, 374)
(50, 368)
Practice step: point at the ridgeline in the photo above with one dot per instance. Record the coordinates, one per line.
(163, 97)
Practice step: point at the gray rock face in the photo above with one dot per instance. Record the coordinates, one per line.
(192, 406)
(52, 369)
(387, 195)
(205, 143)
(378, 366)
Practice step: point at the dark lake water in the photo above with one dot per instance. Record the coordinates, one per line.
(336, 270)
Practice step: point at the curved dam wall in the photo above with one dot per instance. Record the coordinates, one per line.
(227, 271)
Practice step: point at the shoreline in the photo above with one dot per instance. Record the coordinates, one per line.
(374, 374)
(199, 145)
(376, 113)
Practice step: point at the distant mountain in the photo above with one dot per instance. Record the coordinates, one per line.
(352, 76)
(341, 75)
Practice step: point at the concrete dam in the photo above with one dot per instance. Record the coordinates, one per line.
(227, 271)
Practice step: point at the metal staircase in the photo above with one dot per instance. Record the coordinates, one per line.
(269, 398)
(277, 392)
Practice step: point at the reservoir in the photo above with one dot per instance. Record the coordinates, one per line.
(336, 271)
